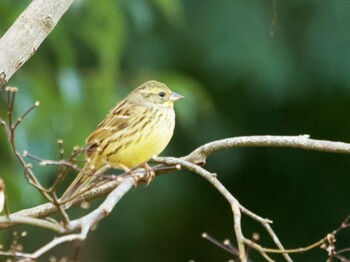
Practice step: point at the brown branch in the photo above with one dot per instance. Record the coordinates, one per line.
(47, 209)
(10, 129)
(199, 155)
(236, 207)
(27, 33)
(84, 224)
(190, 162)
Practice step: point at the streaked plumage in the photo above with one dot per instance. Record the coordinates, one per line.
(138, 127)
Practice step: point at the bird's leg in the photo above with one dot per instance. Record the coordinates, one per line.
(125, 168)
(129, 171)
(150, 175)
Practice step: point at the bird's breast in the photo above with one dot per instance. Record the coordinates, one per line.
(149, 139)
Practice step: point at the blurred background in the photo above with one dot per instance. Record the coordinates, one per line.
(244, 70)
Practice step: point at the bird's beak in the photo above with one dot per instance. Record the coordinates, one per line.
(174, 97)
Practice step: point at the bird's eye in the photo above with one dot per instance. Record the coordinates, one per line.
(161, 94)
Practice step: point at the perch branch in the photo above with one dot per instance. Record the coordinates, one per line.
(84, 223)
(199, 155)
(191, 161)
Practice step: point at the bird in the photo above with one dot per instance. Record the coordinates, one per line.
(139, 127)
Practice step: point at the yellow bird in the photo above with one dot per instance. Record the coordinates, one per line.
(137, 128)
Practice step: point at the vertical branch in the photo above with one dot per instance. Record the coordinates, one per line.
(10, 131)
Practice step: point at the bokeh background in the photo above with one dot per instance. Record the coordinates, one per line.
(244, 70)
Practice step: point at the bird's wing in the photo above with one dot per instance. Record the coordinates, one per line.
(117, 120)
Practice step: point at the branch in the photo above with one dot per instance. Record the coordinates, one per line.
(84, 224)
(236, 207)
(99, 191)
(26, 220)
(27, 33)
(191, 161)
(303, 142)
(199, 155)
(48, 208)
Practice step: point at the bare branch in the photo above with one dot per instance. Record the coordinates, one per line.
(84, 223)
(10, 132)
(197, 156)
(303, 141)
(48, 208)
(229, 249)
(26, 220)
(235, 205)
(27, 33)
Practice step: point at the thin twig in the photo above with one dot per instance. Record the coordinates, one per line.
(230, 250)
(199, 156)
(20, 119)
(60, 163)
(213, 180)
(61, 211)
(11, 91)
(235, 205)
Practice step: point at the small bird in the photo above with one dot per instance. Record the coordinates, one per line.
(137, 128)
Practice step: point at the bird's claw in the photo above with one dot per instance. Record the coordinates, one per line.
(149, 174)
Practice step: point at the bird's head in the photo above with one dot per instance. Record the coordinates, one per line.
(155, 93)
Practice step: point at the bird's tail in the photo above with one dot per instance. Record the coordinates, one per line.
(79, 184)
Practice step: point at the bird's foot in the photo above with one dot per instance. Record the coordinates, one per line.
(128, 172)
(149, 175)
